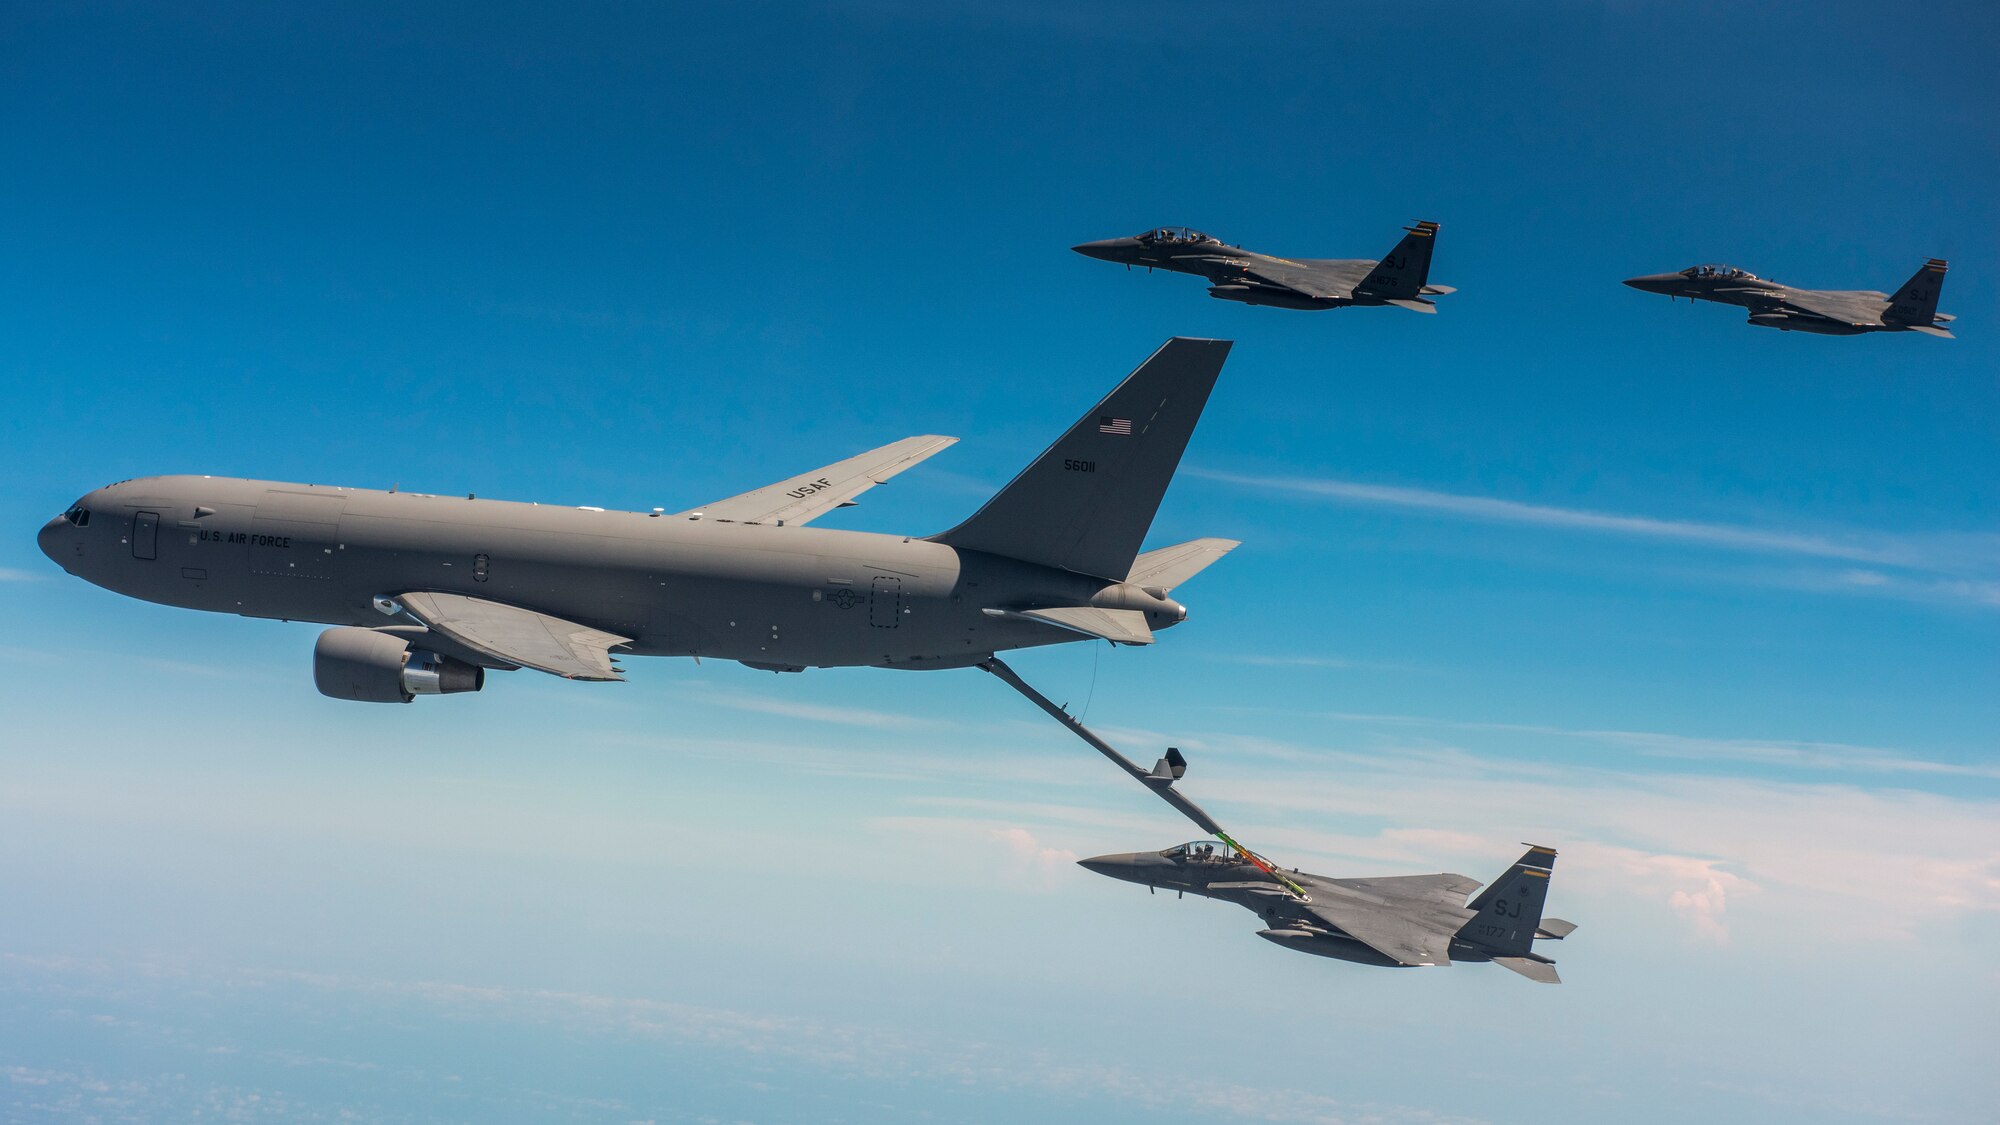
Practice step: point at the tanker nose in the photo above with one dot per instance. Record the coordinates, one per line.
(56, 539)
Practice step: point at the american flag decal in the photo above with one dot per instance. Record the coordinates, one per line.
(1109, 425)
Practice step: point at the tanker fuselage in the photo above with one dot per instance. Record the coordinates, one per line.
(768, 595)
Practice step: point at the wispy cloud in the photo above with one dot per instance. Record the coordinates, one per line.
(10, 574)
(816, 712)
(1262, 660)
(1962, 566)
(849, 1051)
(1802, 754)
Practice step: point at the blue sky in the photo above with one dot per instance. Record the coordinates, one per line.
(1712, 609)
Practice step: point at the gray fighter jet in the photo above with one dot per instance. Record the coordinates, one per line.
(1398, 920)
(428, 593)
(1829, 312)
(1236, 274)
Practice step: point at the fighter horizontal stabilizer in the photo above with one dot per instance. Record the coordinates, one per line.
(1534, 968)
(1414, 304)
(1168, 567)
(1932, 330)
(520, 637)
(1438, 290)
(1555, 929)
(1119, 626)
(808, 496)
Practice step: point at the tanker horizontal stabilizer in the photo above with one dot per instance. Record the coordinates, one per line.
(1119, 626)
(1168, 567)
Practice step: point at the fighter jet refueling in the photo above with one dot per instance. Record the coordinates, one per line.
(1402, 920)
(1396, 920)
(1235, 274)
(428, 593)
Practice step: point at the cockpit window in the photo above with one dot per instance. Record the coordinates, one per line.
(1174, 236)
(1202, 851)
(80, 516)
(1720, 273)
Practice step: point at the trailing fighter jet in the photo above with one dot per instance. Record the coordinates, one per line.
(428, 593)
(1829, 312)
(1398, 920)
(1236, 274)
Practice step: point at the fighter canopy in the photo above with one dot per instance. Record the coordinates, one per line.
(1175, 236)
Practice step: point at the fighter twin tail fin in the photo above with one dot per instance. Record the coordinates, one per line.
(1508, 913)
(1400, 278)
(1915, 304)
(1086, 503)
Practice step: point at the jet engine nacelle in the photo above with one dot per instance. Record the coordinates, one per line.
(1263, 295)
(367, 666)
(1787, 323)
(1326, 945)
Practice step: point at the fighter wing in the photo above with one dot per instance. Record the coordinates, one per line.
(520, 637)
(1402, 940)
(1305, 280)
(1846, 308)
(1448, 889)
(811, 495)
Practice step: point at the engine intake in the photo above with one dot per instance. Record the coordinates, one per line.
(367, 666)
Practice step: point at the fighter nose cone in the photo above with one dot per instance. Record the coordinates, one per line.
(1653, 282)
(1102, 864)
(1105, 250)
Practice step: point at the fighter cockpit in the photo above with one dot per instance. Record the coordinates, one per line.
(1718, 273)
(1174, 236)
(1203, 851)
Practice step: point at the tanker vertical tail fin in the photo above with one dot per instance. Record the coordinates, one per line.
(1087, 502)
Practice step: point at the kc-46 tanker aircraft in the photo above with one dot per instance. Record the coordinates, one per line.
(428, 593)
(1827, 312)
(1235, 274)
